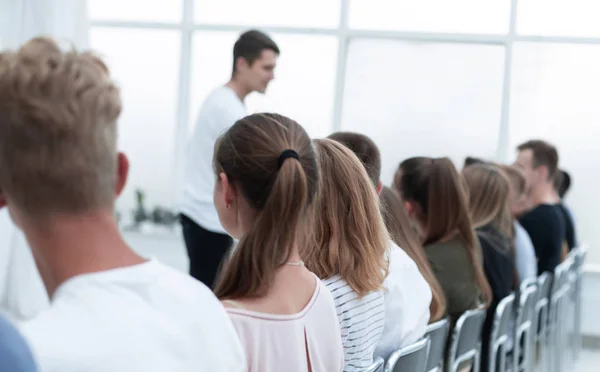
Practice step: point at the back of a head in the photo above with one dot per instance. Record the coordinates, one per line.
(400, 229)
(470, 160)
(517, 179)
(489, 190)
(278, 192)
(544, 154)
(438, 189)
(58, 113)
(250, 45)
(562, 183)
(349, 232)
(365, 149)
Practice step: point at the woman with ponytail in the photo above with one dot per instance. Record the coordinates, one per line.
(435, 199)
(398, 224)
(489, 190)
(267, 177)
(349, 250)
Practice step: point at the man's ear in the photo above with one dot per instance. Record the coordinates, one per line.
(379, 187)
(122, 172)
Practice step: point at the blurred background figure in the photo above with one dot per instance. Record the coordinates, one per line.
(255, 56)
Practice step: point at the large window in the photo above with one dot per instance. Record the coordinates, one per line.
(422, 77)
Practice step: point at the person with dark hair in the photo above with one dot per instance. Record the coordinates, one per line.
(412, 298)
(545, 222)
(470, 160)
(561, 186)
(254, 60)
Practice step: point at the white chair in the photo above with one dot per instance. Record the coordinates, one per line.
(377, 365)
(541, 316)
(525, 330)
(438, 336)
(501, 333)
(465, 344)
(411, 358)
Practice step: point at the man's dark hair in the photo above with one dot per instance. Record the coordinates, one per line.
(562, 183)
(543, 154)
(250, 45)
(365, 149)
(470, 160)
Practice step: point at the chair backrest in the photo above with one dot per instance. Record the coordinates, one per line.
(525, 330)
(466, 338)
(528, 283)
(377, 365)
(542, 303)
(411, 358)
(504, 318)
(438, 335)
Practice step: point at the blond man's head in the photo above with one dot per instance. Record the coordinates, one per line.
(58, 113)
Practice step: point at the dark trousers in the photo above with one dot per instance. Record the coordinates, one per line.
(206, 250)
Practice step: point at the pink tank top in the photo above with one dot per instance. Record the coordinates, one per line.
(275, 342)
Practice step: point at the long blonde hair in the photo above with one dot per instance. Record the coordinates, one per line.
(278, 190)
(437, 188)
(489, 190)
(350, 238)
(398, 225)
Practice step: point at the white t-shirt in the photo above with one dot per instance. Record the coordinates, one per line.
(525, 254)
(407, 299)
(22, 292)
(221, 109)
(146, 317)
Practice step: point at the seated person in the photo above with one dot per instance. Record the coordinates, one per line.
(562, 185)
(408, 302)
(267, 175)
(544, 222)
(60, 172)
(349, 252)
(489, 189)
(435, 199)
(524, 252)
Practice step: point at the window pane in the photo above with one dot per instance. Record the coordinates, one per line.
(148, 82)
(306, 13)
(136, 10)
(554, 96)
(304, 84)
(427, 99)
(559, 17)
(460, 16)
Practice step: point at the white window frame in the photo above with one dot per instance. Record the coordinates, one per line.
(345, 34)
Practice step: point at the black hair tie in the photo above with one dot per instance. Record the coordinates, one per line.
(287, 154)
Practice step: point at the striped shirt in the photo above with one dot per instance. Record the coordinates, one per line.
(361, 322)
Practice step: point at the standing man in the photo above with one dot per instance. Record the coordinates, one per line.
(544, 223)
(254, 59)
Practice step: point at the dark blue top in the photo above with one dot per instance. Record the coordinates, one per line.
(15, 355)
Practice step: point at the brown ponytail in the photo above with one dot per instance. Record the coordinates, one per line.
(439, 190)
(248, 153)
